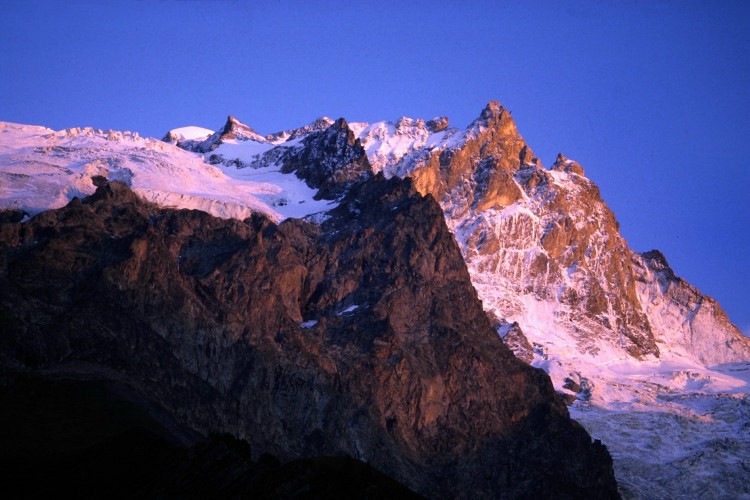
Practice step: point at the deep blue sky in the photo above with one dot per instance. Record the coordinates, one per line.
(651, 97)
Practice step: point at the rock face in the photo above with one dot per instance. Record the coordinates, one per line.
(99, 441)
(694, 323)
(330, 160)
(543, 236)
(359, 336)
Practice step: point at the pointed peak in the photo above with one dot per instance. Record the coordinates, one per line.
(233, 124)
(235, 129)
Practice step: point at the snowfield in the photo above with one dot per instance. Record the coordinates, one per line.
(42, 169)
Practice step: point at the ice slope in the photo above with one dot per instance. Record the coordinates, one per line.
(41, 169)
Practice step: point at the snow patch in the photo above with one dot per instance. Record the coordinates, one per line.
(348, 310)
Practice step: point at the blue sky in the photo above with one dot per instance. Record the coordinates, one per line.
(651, 97)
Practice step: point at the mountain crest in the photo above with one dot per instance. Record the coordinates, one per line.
(614, 329)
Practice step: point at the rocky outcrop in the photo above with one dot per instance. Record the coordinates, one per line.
(330, 160)
(437, 124)
(362, 336)
(100, 441)
(171, 138)
(317, 125)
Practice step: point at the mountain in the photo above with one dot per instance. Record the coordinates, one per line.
(99, 440)
(545, 236)
(637, 352)
(616, 331)
(303, 338)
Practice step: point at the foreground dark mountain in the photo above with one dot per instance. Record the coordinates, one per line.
(360, 336)
(101, 440)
